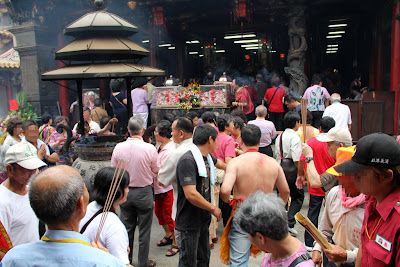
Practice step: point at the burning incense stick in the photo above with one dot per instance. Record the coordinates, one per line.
(310, 227)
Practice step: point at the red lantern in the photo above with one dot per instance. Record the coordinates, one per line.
(240, 8)
(158, 15)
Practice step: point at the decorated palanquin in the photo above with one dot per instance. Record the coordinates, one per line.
(215, 96)
(210, 96)
(167, 96)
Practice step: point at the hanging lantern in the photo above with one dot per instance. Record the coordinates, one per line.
(240, 9)
(158, 15)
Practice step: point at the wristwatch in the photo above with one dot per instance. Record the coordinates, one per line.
(308, 159)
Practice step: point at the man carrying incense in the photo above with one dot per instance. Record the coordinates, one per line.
(19, 223)
(59, 198)
(264, 175)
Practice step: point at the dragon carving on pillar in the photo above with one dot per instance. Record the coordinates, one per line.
(297, 49)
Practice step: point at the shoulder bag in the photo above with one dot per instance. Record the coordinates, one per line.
(288, 166)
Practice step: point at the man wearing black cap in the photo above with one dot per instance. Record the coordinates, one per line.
(375, 170)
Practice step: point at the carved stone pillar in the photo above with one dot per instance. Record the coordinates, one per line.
(297, 49)
(36, 56)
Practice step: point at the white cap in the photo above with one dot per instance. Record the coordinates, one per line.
(25, 155)
(337, 134)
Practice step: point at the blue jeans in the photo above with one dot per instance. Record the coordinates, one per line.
(313, 214)
(194, 247)
(240, 244)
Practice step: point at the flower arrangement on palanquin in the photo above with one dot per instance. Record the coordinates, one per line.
(194, 95)
(190, 97)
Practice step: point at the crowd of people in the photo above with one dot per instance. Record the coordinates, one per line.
(247, 168)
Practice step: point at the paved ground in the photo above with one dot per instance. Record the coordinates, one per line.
(158, 253)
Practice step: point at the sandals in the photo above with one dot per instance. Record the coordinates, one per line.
(152, 263)
(165, 241)
(171, 251)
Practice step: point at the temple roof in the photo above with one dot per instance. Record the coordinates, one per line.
(10, 59)
(100, 23)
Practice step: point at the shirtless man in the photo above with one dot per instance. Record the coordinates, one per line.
(249, 173)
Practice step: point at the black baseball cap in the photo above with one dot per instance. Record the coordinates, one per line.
(374, 150)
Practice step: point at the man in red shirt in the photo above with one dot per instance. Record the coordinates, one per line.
(274, 101)
(242, 98)
(322, 162)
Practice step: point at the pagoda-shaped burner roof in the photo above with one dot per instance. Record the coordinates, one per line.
(101, 47)
(102, 70)
(100, 23)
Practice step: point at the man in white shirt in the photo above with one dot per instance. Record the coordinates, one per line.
(94, 127)
(30, 130)
(16, 214)
(291, 149)
(182, 133)
(339, 112)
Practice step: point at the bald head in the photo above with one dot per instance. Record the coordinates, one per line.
(54, 194)
(335, 98)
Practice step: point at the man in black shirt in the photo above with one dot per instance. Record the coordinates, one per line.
(194, 206)
(261, 88)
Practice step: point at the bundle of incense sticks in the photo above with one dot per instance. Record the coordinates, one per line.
(117, 178)
(304, 103)
(316, 234)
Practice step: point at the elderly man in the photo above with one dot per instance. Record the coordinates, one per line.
(339, 112)
(264, 218)
(264, 175)
(142, 163)
(94, 127)
(195, 175)
(16, 215)
(268, 131)
(59, 198)
(335, 138)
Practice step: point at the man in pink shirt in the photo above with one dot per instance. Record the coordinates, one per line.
(164, 196)
(139, 103)
(224, 151)
(141, 161)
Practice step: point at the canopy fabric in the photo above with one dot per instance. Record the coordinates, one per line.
(101, 70)
(10, 59)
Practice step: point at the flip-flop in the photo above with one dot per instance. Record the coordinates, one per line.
(165, 241)
(171, 251)
(152, 263)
